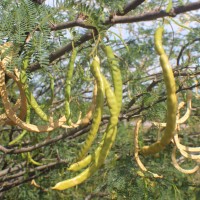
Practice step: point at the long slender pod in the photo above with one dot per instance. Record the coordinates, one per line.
(184, 147)
(23, 105)
(29, 95)
(7, 53)
(171, 98)
(116, 76)
(68, 81)
(91, 157)
(29, 127)
(95, 69)
(30, 160)
(179, 168)
(102, 151)
(184, 117)
(12, 115)
(81, 164)
(115, 73)
(21, 102)
(136, 152)
(63, 185)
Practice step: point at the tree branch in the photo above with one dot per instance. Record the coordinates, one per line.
(73, 133)
(149, 88)
(70, 135)
(23, 170)
(137, 110)
(32, 175)
(79, 22)
(114, 20)
(71, 24)
(183, 48)
(65, 49)
(155, 14)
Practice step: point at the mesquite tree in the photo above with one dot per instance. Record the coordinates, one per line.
(76, 76)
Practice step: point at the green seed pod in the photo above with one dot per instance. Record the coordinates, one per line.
(95, 69)
(69, 76)
(102, 151)
(115, 73)
(171, 98)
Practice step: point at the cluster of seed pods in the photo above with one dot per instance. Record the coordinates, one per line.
(90, 163)
(102, 91)
(172, 127)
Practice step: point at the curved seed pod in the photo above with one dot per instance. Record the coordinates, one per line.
(69, 75)
(12, 115)
(30, 160)
(36, 107)
(188, 111)
(29, 95)
(29, 127)
(87, 160)
(102, 151)
(81, 164)
(95, 69)
(7, 58)
(136, 153)
(158, 41)
(184, 117)
(115, 73)
(189, 155)
(21, 102)
(171, 98)
(177, 166)
(63, 185)
(185, 148)
(181, 105)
